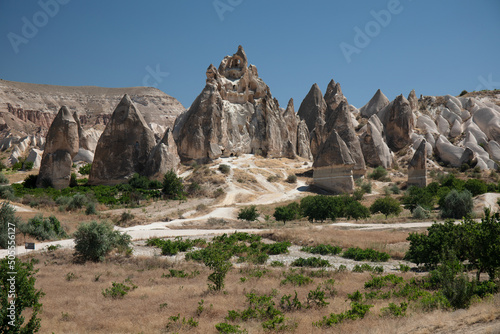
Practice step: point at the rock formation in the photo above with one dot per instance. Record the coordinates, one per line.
(412, 99)
(378, 102)
(61, 146)
(312, 107)
(375, 150)
(417, 167)
(163, 158)
(234, 114)
(333, 166)
(303, 145)
(124, 146)
(399, 123)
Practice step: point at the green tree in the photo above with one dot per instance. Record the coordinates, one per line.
(48, 228)
(457, 204)
(93, 241)
(85, 169)
(387, 206)
(487, 244)
(249, 213)
(322, 207)
(8, 220)
(378, 173)
(287, 213)
(26, 302)
(476, 187)
(416, 196)
(356, 210)
(217, 259)
(172, 186)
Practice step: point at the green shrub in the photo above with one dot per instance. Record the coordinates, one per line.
(416, 196)
(295, 279)
(248, 213)
(225, 328)
(30, 181)
(8, 220)
(314, 262)
(27, 297)
(476, 187)
(224, 169)
(457, 204)
(277, 264)
(323, 249)
(78, 201)
(378, 173)
(387, 206)
(3, 179)
(366, 187)
(85, 169)
(6, 192)
(356, 210)
(90, 209)
(43, 228)
(93, 241)
(357, 311)
(358, 254)
(420, 213)
(292, 178)
(118, 290)
(394, 310)
(218, 261)
(172, 186)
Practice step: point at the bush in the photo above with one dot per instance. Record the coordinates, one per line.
(3, 179)
(366, 187)
(416, 196)
(85, 169)
(314, 262)
(217, 260)
(356, 210)
(28, 165)
(457, 204)
(93, 241)
(296, 279)
(292, 178)
(118, 290)
(394, 310)
(224, 169)
(378, 173)
(8, 220)
(420, 213)
(476, 187)
(287, 213)
(387, 206)
(6, 192)
(359, 254)
(172, 186)
(90, 210)
(78, 201)
(225, 328)
(462, 93)
(27, 297)
(30, 181)
(323, 249)
(249, 213)
(322, 207)
(43, 228)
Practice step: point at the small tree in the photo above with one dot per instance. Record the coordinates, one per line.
(356, 210)
(26, 302)
(249, 213)
(217, 260)
(416, 196)
(457, 204)
(287, 213)
(93, 241)
(85, 169)
(172, 186)
(378, 173)
(387, 206)
(8, 220)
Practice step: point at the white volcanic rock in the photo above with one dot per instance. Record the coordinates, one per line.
(312, 107)
(488, 121)
(449, 153)
(163, 157)
(376, 103)
(426, 124)
(443, 125)
(494, 150)
(399, 123)
(481, 164)
(35, 156)
(84, 155)
(472, 127)
(375, 150)
(417, 167)
(451, 117)
(412, 99)
(456, 129)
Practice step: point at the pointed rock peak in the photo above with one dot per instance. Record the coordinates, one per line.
(401, 100)
(126, 109)
(412, 94)
(333, 152)
(65, 114)
(235, 66)
(290, 109)
(312, 107)
(376, 103)
(315, 92)
(241, 53)
(212, 73)
(167, 137)
(333, 95)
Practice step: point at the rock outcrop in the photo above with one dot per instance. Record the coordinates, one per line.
(375, 150)
(378, 102)
(163, 158)
(417, 167)
(124, 146)
(399, 123)
(333, 167)
(312, 107)
(234, 114)
(61, 146)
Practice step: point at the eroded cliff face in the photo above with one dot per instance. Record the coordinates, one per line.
(38, 105)
(235, 114)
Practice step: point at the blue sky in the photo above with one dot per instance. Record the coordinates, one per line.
(434, 47)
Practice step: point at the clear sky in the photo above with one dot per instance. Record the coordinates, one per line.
(434, 47)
